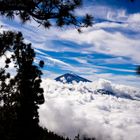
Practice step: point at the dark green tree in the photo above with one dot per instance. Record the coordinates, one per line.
(43, 11)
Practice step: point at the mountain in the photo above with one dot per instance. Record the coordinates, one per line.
(70, 77)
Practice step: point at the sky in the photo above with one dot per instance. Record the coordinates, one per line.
(109, 49)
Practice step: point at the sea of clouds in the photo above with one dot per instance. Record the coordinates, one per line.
(78, 108)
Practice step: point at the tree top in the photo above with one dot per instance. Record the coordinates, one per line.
(46, 12)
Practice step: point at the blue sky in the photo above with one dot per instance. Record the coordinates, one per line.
(110, 49)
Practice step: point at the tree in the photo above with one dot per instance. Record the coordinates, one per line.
(138, 70)
(21, 95)
(43, 11)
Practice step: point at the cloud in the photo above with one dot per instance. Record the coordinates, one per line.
(131, 80)
(134, 18)
(102, 41)
(49, 74)
(114, 34)
(75, 108)
(55, 61)
(80, 60)
(11, 69)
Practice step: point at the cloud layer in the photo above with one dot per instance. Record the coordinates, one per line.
(77, 108)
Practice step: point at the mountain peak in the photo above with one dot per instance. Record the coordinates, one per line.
(70, 77)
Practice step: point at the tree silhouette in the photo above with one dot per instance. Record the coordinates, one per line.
(43, 11)
(138, 70)
(20, 96)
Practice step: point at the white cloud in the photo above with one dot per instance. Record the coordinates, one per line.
(11, 69)
(131, 80)
(93, 40)
(134, 18)
(105, 42)
(75, 108)
(49, 74)
(56, 61)
(80, 60)
(117, 15)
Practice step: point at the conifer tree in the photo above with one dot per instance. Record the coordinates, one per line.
(43, 11)
(138, 70)
(20, 96)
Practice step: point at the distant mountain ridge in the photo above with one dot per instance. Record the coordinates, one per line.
(70, 77)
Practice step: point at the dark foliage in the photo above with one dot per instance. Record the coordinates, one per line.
(48, 135)
(78, 137)
(138, 70)
(43, 11)
(21, 95)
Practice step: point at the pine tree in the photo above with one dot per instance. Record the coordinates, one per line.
(20, 96)
(43, 11)
(138, 70)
